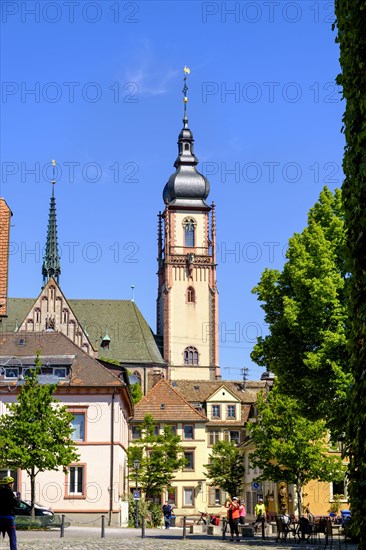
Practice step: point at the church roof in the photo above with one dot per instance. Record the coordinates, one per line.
(131, 339)
(166, 405)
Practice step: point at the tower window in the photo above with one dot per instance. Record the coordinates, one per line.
(190, 295)
(186, 146)
(191, 356)
(189, 232)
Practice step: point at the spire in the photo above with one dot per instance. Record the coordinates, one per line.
(186, 187)
(51, 266)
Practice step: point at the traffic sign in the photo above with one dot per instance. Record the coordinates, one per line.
(136, 495)
(256, 485)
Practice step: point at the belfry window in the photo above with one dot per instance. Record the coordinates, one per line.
(186, 146)
(189, 232)
(190, 295)
(191, 356)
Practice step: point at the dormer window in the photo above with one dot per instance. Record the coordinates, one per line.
(189, 225)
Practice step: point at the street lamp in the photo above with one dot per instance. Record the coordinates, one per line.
(136, 465)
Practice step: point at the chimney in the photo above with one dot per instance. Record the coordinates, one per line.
(5, 215)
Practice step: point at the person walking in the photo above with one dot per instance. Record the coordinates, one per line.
(260, 513)
(7, 506)
(167, 513)
(233, 517)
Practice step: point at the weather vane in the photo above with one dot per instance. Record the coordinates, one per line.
(187, 71)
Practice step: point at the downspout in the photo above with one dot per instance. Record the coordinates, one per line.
(111, 461)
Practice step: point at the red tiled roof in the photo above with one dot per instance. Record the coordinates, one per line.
(85, 371)
(164, 403)
(198, 391)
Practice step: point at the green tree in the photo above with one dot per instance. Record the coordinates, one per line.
(160, 455)
(136, 392)
(351, 36)
(226, 467)
(305, 308)
(35, 435)
(289, 447)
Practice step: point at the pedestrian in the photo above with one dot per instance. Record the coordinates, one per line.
(7, 505)
(260, 513)
(167, 513)
(233, 517)
(242, 512)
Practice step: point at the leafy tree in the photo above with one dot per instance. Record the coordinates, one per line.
(305, 308)
(289, 447)
(136, 392)
(35, 435)
(351, 35)
(160, 455)
(226, 467)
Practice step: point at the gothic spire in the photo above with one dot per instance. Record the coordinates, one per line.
(51, 266)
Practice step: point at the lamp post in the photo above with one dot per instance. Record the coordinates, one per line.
(136, 465)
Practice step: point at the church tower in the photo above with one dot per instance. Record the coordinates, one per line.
(187, 303)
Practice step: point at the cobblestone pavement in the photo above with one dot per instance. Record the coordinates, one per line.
(156, 539)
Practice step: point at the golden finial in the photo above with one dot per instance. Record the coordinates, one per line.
(186, 71)
(53, 162)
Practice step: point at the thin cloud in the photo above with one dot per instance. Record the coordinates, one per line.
(151, 84)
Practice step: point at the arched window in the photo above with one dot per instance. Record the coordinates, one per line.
(189, 225)
(138, 377)
(190, 295)
(186, 146)
(37, 312)
(65, 315)
(191, 356)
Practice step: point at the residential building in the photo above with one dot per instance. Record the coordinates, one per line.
(98, 397)
(5, 215)
(169, 408)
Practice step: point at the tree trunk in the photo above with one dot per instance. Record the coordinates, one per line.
(299, 498)
(33, 484)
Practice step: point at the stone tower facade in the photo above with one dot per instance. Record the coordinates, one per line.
(187, 304)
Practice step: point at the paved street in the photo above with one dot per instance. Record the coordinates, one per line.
(88, 538)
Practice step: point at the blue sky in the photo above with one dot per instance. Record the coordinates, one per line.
(97, 86)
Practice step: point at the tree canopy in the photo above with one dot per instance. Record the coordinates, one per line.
(226, 467)
(305, 308)
(351, 35)
(35, 435)
(159, 454)
(289, 447)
